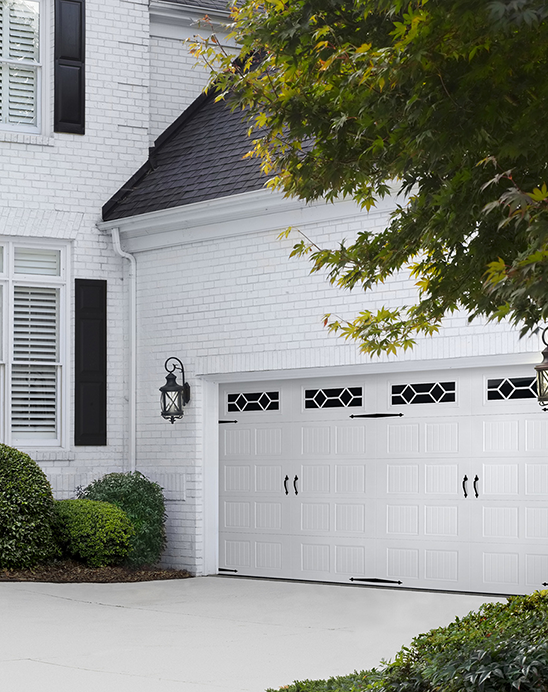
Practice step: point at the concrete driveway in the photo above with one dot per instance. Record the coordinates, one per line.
(204, 635)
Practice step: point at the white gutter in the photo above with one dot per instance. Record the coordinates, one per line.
(132, 441)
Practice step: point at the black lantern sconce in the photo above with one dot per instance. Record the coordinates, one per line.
(542, 375)
(173, 395)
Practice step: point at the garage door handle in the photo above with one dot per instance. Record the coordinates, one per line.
(476, 479)
(285, 485)
(295, 484)
(464, 482)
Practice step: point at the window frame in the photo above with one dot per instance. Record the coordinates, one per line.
(43, 78)
(9, 280)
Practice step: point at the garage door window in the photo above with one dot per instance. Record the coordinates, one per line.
(511, 388)
(423, 393)
(339, 397)
(253, 401)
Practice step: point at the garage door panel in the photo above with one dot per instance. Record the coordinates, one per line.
(536, 568)
(407, 438)
(498, 567)
(352, 479)
(451, 495)
(269, 478)
(442, 478)
(244, 441)
(444, 521)
(431, 478)
(419, 519)
(428, 564)
(254, 555)
(536, 436)
(536, 479)
(337, 560)
(335, 519)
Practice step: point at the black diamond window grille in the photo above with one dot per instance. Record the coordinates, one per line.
(512, 388)
(423, 393)
(339, 397)
(253, 401)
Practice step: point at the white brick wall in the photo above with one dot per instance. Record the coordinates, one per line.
(53, 186)
(239, 305)
(175, 81)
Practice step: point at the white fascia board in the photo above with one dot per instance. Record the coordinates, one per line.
(243, 214)
(375, 367)
(168, 20)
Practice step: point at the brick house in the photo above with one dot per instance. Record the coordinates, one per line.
(297, 457)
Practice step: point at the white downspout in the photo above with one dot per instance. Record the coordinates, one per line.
(132, 439)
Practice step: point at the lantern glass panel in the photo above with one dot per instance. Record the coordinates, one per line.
(542, 386)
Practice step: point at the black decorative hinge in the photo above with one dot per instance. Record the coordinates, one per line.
(375, 580)
(224, 569)
(377, 415)
(227, 421)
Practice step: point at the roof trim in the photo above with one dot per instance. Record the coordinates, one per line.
(257, 211)
(171, 9)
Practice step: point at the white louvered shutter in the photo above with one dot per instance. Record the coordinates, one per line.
(34, 376)
(19, 61)
(28, 260)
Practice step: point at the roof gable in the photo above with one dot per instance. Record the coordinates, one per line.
(199, 157)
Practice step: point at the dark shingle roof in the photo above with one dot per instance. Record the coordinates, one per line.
(199, 157)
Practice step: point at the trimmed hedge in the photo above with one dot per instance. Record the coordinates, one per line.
(143, 502)
(95, 532)
(26, 511)
(501, 647)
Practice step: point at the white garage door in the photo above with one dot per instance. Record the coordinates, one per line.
(436, 480)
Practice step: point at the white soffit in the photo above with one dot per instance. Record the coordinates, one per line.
(170, 20)
(250, 212)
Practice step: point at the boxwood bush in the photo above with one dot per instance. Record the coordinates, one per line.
(97, 533)
(500, 648)
(143, 502)
(26, 510)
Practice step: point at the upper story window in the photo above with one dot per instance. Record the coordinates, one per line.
(20, 65)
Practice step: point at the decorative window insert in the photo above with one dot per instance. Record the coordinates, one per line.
(32, 297)
(423, 393)
(253, 401)
(20, 65)
(512, 388)
(337, 397)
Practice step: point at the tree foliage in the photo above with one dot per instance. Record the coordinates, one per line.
(444, 101)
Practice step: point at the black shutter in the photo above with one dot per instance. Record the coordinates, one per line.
(69, 66)
(90, 351)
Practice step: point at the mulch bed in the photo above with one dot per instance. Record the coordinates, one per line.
(69, 571)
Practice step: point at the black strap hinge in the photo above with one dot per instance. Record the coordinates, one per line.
(377, 415)
(375, 580)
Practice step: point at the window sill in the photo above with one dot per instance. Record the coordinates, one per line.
(26, 138)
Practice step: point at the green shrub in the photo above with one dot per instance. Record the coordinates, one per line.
(96, 532)
(26, 510)
(501, 647)
(143, 502)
